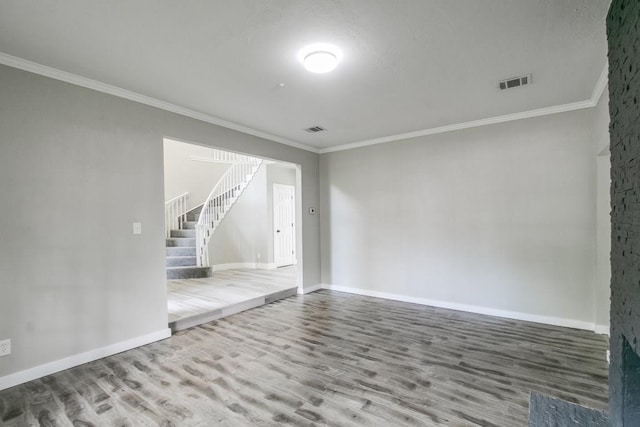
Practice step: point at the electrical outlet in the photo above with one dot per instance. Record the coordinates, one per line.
(5, 348)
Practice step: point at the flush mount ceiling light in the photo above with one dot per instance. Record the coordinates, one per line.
(320, 57)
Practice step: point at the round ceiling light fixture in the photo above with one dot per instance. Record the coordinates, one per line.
(320, 58)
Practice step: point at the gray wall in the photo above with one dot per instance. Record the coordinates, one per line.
(243, 234)
(182, 175)
(500, 217)
(77, 167)
(603, 209)
(246, 233)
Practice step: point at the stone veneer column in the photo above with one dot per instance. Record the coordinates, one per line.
(623, 33)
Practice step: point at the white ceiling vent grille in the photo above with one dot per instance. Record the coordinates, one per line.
(315, 129)
(514, 82)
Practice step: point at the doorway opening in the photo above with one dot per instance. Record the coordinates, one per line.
(231, 232)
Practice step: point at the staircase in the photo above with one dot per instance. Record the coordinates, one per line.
(181, 250)
(220, 200)
(188, 232)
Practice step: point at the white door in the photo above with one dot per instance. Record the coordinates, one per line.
(284, 215)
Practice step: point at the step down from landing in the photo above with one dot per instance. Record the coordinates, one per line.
(237, 307)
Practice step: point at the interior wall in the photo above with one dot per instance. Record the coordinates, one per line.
(184, 175)
(496, 219)
(77, 168)
(603, 217)
(243, 234)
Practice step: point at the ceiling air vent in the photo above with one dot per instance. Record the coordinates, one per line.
(514, 82)
(314, 129)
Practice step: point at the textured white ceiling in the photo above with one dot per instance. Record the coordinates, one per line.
(408, 64)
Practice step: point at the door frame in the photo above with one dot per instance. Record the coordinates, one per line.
(275, 191)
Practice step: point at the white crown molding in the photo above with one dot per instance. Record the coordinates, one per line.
(556, 321)
(601, 84)
(466, 125)
(54, 73)
(79, 359)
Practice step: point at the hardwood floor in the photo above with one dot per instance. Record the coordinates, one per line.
(326, 358)
(193, 302)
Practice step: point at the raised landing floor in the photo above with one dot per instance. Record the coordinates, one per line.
(193, 302)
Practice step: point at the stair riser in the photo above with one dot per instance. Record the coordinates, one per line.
(189, 225)
(181, 251)
(181, 242)
(189, 273)
(193, 214)
(183, 233)
(181, 261)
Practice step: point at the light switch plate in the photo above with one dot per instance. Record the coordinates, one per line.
(137, 228)
(5, 348)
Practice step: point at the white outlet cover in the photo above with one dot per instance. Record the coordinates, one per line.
(5, 348)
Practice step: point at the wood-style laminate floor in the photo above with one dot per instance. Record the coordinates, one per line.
(192, 302)
(326, 358)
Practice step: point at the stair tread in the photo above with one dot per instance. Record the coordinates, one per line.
(185, 267)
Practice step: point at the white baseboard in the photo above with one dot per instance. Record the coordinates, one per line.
(556, 321)
(251, 265)
(602, 329)
(78, 359)
(310, 289)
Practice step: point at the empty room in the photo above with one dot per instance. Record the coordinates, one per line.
(417, 212)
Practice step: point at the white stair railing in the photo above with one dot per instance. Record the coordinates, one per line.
(217, 156)
(222, 197)
(175, 213)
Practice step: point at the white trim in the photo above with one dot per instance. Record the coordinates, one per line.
(78, 359)
(54, 73)
(309, 289)
(466, 125)
(604, 152)
(557, 321)
(33, 67)
(207, 159)
(601, 329)
(250, 265)
(601, 84)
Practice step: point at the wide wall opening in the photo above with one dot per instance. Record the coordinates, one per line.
(231, 232)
